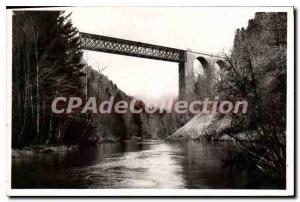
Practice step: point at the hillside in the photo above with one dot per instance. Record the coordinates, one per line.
(113, 126)
(203, 126)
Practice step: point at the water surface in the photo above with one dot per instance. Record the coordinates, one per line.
(147, 164)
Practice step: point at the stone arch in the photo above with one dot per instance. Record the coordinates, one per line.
(221, 63)
(218, 69)
(202, 77)
(200, 68)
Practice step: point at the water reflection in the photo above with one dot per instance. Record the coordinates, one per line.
(149, 164)
(149, 168)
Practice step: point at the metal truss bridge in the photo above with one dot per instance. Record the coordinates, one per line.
(130, 48)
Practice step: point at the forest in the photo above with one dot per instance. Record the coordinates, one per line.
(256, 71)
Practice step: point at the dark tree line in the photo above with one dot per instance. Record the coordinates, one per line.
(256, 72)
(46, 63)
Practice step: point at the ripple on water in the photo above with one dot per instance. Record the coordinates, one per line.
(153, 168)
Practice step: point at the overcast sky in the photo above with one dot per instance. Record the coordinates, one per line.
(197, 28)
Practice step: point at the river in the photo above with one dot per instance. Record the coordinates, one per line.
(147, 164)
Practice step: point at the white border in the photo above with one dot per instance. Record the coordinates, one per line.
(164, 192)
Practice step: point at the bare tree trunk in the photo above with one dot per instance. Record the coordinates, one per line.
(37, 88)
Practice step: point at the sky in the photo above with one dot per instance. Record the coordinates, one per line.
(206, 29)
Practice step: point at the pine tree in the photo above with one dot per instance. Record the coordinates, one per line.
(46, 63)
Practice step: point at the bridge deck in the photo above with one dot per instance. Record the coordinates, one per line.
(130, 48)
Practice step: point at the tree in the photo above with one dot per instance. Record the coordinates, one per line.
(256, 72)
(46, 63)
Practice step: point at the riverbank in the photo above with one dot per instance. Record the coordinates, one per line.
(36, 149)
(211, 127)
(203, 126)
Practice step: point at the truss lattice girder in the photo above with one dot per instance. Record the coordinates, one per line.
(130, 48)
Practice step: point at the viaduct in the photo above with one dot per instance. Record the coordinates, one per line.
(184, 58)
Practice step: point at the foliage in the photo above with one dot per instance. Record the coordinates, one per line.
(256, 72)
(46, 63)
